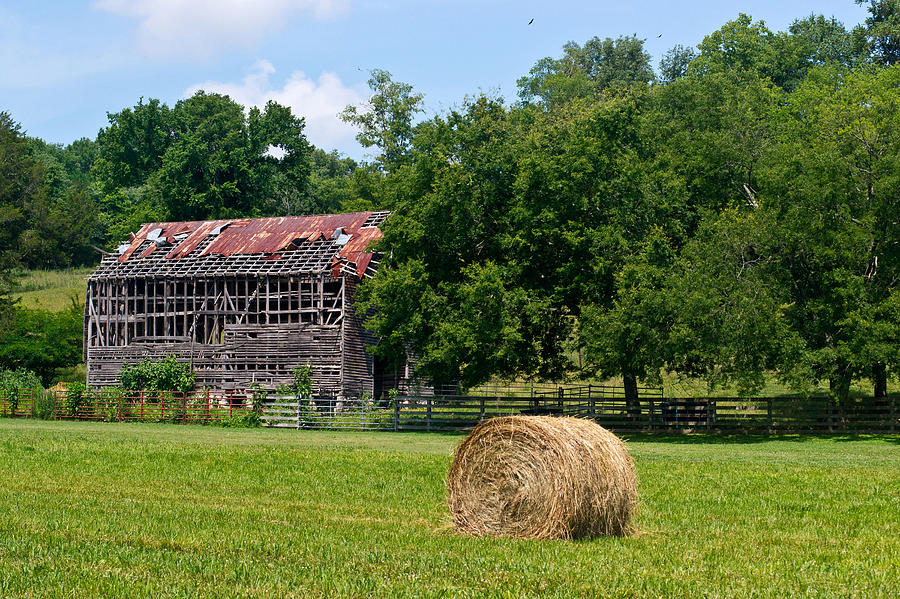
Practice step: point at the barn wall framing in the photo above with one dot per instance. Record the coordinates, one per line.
(234, 330)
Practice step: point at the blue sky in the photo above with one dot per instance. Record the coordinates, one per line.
(64, 65)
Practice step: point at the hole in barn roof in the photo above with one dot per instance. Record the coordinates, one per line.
(340, 237)
(219, 229)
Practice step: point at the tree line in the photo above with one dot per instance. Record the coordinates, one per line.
(730, 214)
(737, 215)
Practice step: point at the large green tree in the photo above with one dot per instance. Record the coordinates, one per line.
(445, 240)
(386, 120)
(203, 158)
(22, 191)
(838, 169)
(219, 162)
(512, 226)
(805, 282)
(585, 70)
(132, 146)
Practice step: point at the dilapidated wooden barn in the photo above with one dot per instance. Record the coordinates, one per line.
(244, 301)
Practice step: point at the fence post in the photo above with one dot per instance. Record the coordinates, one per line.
(591, 407)
(710, 406)
(142, 406)
(428, 414)
(207, 405)
(396, 412)
(769, 412)
(833, 419)
(481, 416)
(299, 414)
(893, 414)
(842, 406)
(650, 415)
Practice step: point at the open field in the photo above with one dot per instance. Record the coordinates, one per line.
(94, 509)
(52, 290)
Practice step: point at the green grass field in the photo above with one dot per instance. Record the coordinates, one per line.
(100, 510)
(52, 290)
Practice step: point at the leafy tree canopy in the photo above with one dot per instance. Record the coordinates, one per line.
(386, 120)
(203, 158)
(881, 34)
(584, 71)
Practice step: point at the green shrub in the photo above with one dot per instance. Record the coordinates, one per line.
(303, 382)
(249, 419)
(75, 396)
(158, 376)
(13, 382)
(110, 403)
(44, 405)
(41, 341)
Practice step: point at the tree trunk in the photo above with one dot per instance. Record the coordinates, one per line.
(632, 401)
(840, 381)
(879, 377)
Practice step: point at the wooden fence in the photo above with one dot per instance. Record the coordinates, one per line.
(454, 412)
(718, 415)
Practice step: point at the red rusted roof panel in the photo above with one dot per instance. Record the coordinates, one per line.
(355, 250)
(261, 236)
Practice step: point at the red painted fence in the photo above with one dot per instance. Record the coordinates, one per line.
(196, 407)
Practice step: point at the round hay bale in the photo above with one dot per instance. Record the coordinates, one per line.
(542, 477)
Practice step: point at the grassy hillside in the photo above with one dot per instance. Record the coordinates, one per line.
(131, 510)
(52, 289)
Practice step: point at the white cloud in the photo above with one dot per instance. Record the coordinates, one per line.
(319, 101)
(201, 28)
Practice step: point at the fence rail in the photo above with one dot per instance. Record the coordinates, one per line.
(328, 412)
(18, 403)
(453, 412)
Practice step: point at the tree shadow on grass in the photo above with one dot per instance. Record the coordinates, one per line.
(751, 438)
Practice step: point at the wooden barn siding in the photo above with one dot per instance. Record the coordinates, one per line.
(358, 364)
(242, 360)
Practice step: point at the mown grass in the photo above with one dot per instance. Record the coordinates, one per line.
(90, 509)
(52, 290)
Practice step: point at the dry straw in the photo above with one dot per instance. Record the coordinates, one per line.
(542, 477)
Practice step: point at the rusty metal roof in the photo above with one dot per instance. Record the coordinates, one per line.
(345, 237)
